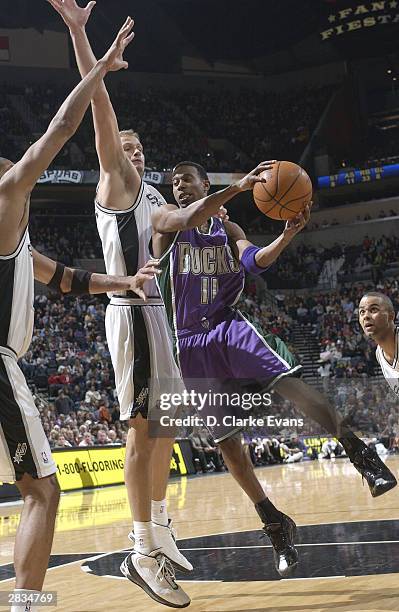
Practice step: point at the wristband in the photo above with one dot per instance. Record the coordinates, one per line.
(249, 262)
(55, 282)
(80, 282)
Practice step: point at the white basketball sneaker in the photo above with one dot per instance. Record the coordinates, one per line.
(155, 575)
(165, 539)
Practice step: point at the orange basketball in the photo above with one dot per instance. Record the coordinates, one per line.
(287, 191)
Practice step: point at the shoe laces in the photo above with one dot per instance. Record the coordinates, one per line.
(166, 571)
(278, 537)
(369, 459)
(172, 531)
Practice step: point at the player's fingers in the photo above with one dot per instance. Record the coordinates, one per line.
(150, 264)
(56, 4)
(125, 29)
(141, 293)
(149, 272)
(269, 163)
(128, 40)
(262, 167)
(90, 6)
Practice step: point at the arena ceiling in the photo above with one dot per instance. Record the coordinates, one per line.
(267, 36)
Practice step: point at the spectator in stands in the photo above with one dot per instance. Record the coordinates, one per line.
(63, 403)
(62, 442)
(324, 371)
(294, 450)
(207, 454)
(87, 439)
(102, 438)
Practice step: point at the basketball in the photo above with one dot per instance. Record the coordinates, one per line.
(286, 193)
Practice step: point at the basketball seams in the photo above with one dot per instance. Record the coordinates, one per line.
(272, 202)
(277, 180)
(291, 186)
(306, 195)
(268, 193)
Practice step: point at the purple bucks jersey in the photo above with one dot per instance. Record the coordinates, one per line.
(200, 277)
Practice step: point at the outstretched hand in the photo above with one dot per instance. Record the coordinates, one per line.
(296, 224)
(113, 59)
(74, 16)
(147, 272)
(249, 181)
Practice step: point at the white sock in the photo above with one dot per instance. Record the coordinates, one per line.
(159, 512)
(143, 536)
(25, 607)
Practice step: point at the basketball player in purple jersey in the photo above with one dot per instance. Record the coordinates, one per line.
(203, 262)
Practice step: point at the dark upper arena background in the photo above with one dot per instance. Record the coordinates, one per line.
(226, 84)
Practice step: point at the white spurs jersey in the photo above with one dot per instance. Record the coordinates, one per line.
(125, 236)
(390, 372)
(17, 297)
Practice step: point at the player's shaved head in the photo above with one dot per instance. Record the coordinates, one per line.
(383, 299)
(377, 316)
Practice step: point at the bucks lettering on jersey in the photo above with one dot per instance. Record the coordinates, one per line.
(390, 372)
(200, 276)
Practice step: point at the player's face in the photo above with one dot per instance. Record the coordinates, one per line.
(188, 187)
(374, 317)
(134, 152)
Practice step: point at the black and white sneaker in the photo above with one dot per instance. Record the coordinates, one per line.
(155, 575)
(379, 478)
(165, 539)
(282, 536)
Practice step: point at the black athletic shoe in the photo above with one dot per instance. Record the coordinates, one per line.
(282, 537)
(379, 478)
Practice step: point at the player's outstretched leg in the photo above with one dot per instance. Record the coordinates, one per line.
(315, 405)
(164, 534)
(279, 527)
(146, 566)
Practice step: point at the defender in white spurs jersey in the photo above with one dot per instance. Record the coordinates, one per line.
(25, 455)
(377, 319)
(137, 334)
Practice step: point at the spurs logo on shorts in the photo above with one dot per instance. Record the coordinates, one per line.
(19, 416)
(20, 452)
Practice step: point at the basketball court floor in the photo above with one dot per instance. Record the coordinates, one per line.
(348, 544)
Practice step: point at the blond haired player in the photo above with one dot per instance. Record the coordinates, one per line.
(137, 333)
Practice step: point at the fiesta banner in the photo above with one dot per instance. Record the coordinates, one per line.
(361, 16)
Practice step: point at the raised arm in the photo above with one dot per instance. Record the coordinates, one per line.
(108, 142)
(170, 218)
(19, 181)
(254, 259)
(73, 281)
